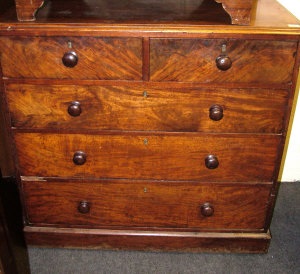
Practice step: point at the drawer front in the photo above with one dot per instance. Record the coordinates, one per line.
(194, 60)
(159, 204)
(142, 108)
(98, 58)
(149, 156)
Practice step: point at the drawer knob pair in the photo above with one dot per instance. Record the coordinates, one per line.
(84, 207)
(207, 209)
(70, 59)
(211, 161)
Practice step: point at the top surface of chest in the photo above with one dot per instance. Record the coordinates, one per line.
(149, 18)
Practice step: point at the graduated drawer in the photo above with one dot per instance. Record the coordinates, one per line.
(144, 203)
(189, 156)
(98, 58)
(147, 108)
(194, 60)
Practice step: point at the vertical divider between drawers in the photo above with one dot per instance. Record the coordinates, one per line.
(146, 59)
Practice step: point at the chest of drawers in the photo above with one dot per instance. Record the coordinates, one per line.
(149, 136)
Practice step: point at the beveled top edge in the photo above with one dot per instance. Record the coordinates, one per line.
(138, 30)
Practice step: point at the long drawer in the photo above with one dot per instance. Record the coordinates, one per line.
(147, 108)
(222, 60)
(144, 203)
(71, 57)
(205, 157)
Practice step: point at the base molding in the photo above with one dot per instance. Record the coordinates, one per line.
(147, 240)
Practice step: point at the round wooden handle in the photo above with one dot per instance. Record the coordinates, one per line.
(211, 162)
(216, 112)
(207, 210)
(74, 109)
(223, 62)
(70, 59)
(84, 207)
(79, 158)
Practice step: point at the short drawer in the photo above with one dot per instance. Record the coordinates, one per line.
(71, 57)
(147, 108)
(222, 60)
(146, 204)
(189, 156)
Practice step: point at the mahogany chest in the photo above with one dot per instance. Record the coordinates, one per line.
(161, 129)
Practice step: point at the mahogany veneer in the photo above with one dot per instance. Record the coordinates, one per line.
(155, 128)
(26, 9)
(148, 156)
(147, 108)
(239, 10)
(116, 58)
(147, 204)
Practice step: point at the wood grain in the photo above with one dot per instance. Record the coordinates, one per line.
(146, 108)
(159, 204)
(194, 60)
(99, 58)
(148, 156)
(153, 241)
(269, 18)
(239, 10)
(26, 9)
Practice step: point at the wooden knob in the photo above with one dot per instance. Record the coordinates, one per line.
(216, 112)
(79, 158)
(83, 207)
(211, 162)
(207, 210)
(223, 62)
(70, 59)
(74, 109)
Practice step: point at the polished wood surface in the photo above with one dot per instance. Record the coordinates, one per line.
(158, 204)
(253, 61)
(148, 156)
(152, 241)
(146, 108)
(98, 58)
(269, 17)
(239, 10)
(26, 9)
(185, 101)
(6, 156)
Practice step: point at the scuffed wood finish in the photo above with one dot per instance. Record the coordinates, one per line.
(148, 156)
(152, 241)
(158, 204)
(194, 60)
(239, 10)
(98, 58)
(26, 9)
(146, 108)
